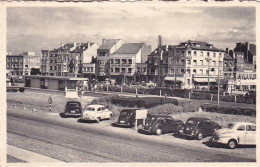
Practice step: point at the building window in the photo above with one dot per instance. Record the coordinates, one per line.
(208, 54)
(130, 61)
(55, 67)
(194, 62)
(194, 71)
(195, 53)
(111, 70)
(111, 61)
(182, 71)
(129, 70)
(172, 71)
(123, 70)
(102, 53)
(123, 61)
(144, 69)
(50, 61)
(220, 55)
(117, 61)
(172, 61)
(214, 54)
(201, 62)
(188, 62)
(117, 70)
(214, 62)
(182, 62)
(201, 53)
(50, 67)
(189, 53)
(201, 71)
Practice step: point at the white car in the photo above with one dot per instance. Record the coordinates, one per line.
(96, 113)
(237, 133)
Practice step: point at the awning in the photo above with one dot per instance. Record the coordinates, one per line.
(204, 80)
(178, 79)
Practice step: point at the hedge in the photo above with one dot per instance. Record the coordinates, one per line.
(142, 102)
(235, 110)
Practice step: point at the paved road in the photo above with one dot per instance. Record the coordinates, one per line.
(73, 143)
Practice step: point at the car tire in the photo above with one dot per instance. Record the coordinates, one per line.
(200, 136)
(158, 132)
(98, 120)
(232, 144)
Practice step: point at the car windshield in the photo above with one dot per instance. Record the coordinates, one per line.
(124, 113)
(90, 108)
(190, 121)
(230, 126)
(72, 105)
(150, 119)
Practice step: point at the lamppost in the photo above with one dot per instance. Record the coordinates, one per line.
(219, 76)
(208, 59)
(176, 57)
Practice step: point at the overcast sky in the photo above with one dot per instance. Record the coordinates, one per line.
(36, 28)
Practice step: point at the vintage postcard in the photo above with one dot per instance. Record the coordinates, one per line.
(148, 82)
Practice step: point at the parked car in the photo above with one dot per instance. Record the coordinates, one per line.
(96, 113)
(159, 124)
(72, 108)
(199, 127)
(237, 133)
(127, 118)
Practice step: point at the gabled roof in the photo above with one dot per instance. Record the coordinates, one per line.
(82, 47)
(227, 56)
(129, 48)
(65, 47)
(199, 45)
(109, 43)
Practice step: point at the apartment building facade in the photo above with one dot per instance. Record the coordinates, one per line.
(22, 64)
(108, 47)
(194, 64)
(127, 60)
(68, 59)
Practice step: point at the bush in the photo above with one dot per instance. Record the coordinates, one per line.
(190, 106)
(142, 102)
(229, 110)
(167, 109)
(200, 95)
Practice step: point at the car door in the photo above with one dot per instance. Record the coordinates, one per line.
(99, 112)
(209, 127)
(171, 125)
(241, 134)
(250, 134)
(163, 125)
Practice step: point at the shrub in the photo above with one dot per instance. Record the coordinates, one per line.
(167, 109)
(229, 110)
(190, 106)
(200, 95)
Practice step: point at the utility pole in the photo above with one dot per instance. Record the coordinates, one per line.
(219, 76)
(160, 58)
(175, 57)
(208, 60)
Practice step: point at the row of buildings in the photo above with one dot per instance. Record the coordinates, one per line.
(190, 64)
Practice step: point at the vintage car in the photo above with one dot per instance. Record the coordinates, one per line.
(199, 127)
(237, 133)
(127, 118)
(159, 124)
(96, 113)
(72, 109)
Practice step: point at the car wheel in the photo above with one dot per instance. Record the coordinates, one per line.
(110, 117)
(158, 132)
(200, 136)
(98, 120)
(232, 144)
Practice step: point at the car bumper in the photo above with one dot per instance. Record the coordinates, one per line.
(123, 124)
(219, 140)
(72, 114)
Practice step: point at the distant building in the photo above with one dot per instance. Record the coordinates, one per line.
(68, 59)
(108, 47)
(125, 61)
(248, 49)
(193, 64)
(22, 64)
(157, 64)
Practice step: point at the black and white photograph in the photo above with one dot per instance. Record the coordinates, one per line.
(130, 82)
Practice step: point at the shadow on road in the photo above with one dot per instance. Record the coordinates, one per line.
(219, 145)
(180, 136)
(86, 121)
(66, 116)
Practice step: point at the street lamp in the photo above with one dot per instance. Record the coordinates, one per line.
(219, 75)
(208, 59)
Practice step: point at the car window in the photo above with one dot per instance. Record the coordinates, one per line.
(103, 108)
(72, 105)
(99, 109)
(250, 128)
(241, 128)
(230, 126)
(90, 109)
(169, 119)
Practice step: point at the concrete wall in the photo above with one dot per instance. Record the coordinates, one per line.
(53, 84)
(35, 82)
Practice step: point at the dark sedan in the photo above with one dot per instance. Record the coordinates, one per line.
(127, 118)
(159, 124)
(199, 127)
(72, 109)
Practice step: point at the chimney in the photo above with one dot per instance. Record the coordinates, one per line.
(227, 50)
(104, 40)
(246, 51)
